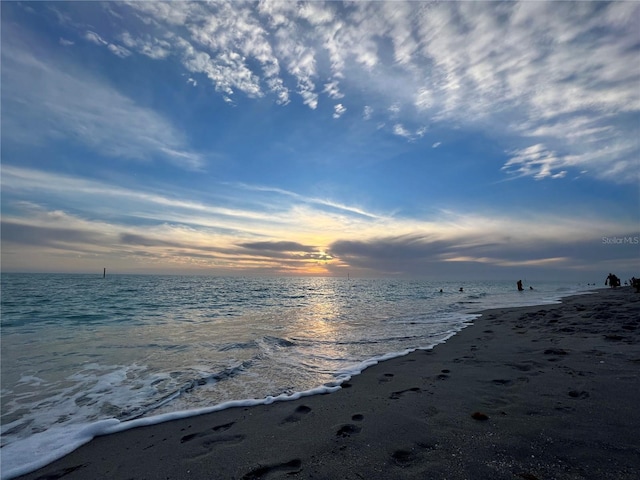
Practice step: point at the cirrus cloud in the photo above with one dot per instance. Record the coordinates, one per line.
(565, 73)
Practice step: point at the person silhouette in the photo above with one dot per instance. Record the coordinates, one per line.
(612, 280)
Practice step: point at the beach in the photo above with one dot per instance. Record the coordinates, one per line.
(543, 392)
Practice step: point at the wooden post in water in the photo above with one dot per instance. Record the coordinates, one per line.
(104, 272)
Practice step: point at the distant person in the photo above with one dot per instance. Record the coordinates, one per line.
(520, 288)
(612, 280)
(461, 289)
(440, 290)
(635, 283)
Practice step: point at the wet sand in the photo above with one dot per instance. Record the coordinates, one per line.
(546, 392)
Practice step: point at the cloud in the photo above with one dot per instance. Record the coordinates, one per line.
(93, 37)
(338, 110)
(32, 235)
(277, 231)
(554, 84)
(227, 71)
(286, 250)
(147, 241)
(139, 204)
(545, 72)
(536, 161)
(69, 241)
(151, 47)
(118, 50)
(401, 131)
(433, 255)
(46, 101)
(325, 203)
(394, 110)
(398, 129)
(66, 43)
(332, 89)
(281, 246)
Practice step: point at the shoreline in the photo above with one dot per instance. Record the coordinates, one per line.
(411, 416)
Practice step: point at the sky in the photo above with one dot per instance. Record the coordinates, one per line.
(445, 140)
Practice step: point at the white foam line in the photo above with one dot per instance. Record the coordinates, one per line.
(555, 299)
(61, 442)
(346, 374)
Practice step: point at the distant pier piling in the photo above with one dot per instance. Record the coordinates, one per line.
(104, 272)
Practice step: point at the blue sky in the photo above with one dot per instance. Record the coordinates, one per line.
(446, 140)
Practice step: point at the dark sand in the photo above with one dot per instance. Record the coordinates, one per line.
(555, 392)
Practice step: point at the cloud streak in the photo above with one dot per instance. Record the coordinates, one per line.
(48, 101)
(311, 236)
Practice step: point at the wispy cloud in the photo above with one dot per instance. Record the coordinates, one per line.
(93, 37)
(399, 130)
(151, 47)
(144, 228)
(310, 200)
(563, 73)
(338, 110)
(118, 50)
(47, 100)
(538, 162)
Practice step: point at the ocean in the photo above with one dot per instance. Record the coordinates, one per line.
(84, 355)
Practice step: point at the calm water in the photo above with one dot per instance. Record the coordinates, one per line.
(78, 349)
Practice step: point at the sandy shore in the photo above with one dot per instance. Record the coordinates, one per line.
(546, 392)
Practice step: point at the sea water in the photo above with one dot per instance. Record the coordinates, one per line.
(84, 355)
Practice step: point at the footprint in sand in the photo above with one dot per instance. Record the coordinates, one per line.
(578, 394)
(406, 456)
(208, 442)
(502, 381)
(397, 395)
(555, 354)
(210, 438)
(216, 429)
(290, 468)
(614, 337)
(403, 458)
(348, 430)
(297, 414)
(525, 366)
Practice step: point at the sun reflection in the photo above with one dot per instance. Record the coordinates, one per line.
(320, 321)
(320, 327)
